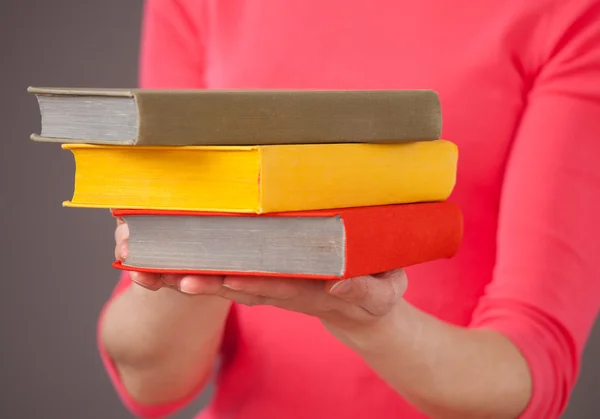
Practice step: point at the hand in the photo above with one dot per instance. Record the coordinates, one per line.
(351, 305)
(355, 301)
(154, 282)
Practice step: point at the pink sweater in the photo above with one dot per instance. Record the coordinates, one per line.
(519, 83)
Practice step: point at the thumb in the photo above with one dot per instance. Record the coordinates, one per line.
(377, 294)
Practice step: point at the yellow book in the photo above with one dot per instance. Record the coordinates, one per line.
(262, 179)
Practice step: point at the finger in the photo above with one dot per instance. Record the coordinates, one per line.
(198, 284)
(122, 251)
(399, 280)
(250, 300)
(375, 294)
(280, 288)
(146, 280)
(306, 296)
(171, 280)
(120, 221)
(122, 242)
(121, 233)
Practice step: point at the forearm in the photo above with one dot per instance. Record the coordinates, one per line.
(163, 343)
(447, 371)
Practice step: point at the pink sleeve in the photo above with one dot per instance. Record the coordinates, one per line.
(546, 289)
(171, 57)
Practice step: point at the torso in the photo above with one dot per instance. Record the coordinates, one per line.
(286, 365)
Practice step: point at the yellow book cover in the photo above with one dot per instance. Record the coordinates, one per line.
(262, 179)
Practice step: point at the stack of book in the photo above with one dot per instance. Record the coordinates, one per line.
(310, 184)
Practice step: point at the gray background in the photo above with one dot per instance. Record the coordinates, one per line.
(56, 261)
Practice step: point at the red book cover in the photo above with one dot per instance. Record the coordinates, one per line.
(378, 238)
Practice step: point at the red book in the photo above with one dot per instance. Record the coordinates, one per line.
(328, 244)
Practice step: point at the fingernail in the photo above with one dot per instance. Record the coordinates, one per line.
(124, 251)
(232, 285)
(133, 279)
(186, 285)
(340, 287)
(169, 279)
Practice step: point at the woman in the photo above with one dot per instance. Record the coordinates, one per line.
(496, 332)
